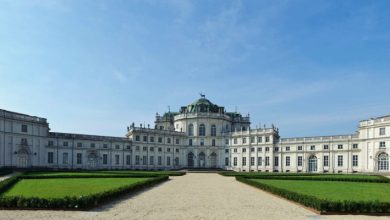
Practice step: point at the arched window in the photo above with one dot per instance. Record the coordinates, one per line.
(202, 130)
(383, 162)
(191, 130)
(213, 130)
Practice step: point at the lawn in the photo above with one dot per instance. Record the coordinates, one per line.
(59, 188)
(102, 173)
(334, 190)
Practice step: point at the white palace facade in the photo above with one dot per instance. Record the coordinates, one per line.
(199, 135)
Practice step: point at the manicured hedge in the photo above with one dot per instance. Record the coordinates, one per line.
(380, 179)
(81, 202)
(29, 176)
(322, 205)
(4, 172)
(8, 183)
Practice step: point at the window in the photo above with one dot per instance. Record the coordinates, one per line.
(244, 140)
(213, 142)
(244, 161)
(159, 149)
(168, 149)
(50, 157)
(137, 138)
(169, 140)
(105, 146)
(326, 161)
(137, 148)
(276, 161)
(226, 161)
(151, 160)
(287, 161)
(136, 159)
(161, 127)
(252, 140)
(177, 141)
(145, 138)
(128, 147)
(382, 144)
(176, 161)
(340, 146)
(151, 149)
(326, 147)
(259, 139)
(383, 162)
(267, 161)
(300, 161)
(213, 130)
(24, 128)
(117, 146)
(128, 159)
(65, 143)
(50, 143)
(354, 160)
(144, 148)
(339, 160)
(191, 130)
(226, 151)
(252, 161)
(259, 161)
(117, 159)
(177, 150)
(267, 149)
(159, 139)
(235, 140)
(65, 158)
(235, 161)
(151, 139)
(252, 149)
(190, 142)
(235, 150)
(159, 160)
(276, 149)
(243, 150)
(144, 160)
(259, 149)
(79, 144)
(168, 161)
(266, 139)
(312, 147)
(202, 130)
(299, 147)
(202, 142)
(92, 145)
(227, 141)
(79, 158)
(355, 146)
(382, 131)
(287, 148)
(105, 159)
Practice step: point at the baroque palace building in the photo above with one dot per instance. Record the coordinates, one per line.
(199, 135)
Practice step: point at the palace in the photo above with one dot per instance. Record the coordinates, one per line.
(199, 135)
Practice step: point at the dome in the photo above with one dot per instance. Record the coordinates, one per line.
(203, 105)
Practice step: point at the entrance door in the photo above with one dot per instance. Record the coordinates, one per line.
(312, 164)
(190, 160)
(202, 160)
(213, 160)
(383, 162)
(22, 161)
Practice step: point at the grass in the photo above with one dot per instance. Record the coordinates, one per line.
(59, 188)
(333, 190)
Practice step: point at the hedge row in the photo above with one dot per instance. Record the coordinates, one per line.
(87, 176)
(8, 183)
(322, 205)
(322, 178)
(72, 203)
(5, 172)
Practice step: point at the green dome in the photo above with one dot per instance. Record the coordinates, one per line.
(203, 105)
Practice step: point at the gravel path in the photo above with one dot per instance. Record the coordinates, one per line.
(193, 196)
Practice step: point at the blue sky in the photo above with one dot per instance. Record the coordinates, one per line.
(309, 67)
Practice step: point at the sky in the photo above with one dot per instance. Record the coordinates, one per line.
(94, 66)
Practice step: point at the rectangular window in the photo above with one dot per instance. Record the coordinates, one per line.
(252, 161)
(259, 149)
(79, 144)
(92, 145)
(145, 138)
(226, 161)
(267, 161)
(137, 148)
(151, 139)
(326, 147)
(105, 145)
(50, 157)
(168, 140)
(116, 159)
(144, 160)
(24, 128)
(252, 140)
(339, 160)
(252, 149)
(226, 151)
(340, 146)
(177, 141)
(382, 144)
(287, 161)
(105, 159)
(79, 158)
(144, 148)
(136, 159)
(312, 147)
(326, 161)
(266, 139)
(235, 140)
(128, 147)
(267, 149)
(168, 149)
(159, 139)
(190, 142)
(244, 140)
(177, 150)
(65, 158)
(276, 149)
(213, 142)
(276, 161)
(235, 161)
(382, 131)
(287, 148)
(159, 160)
(235, 150)
(259, 139)
(227, 141)
(151, 160)
(259, 161)
(117, 147)
(243, 150)
(151, 149)
(168, 161)
(159, 149)
(355, 160)
(128, 159)
(65, 143)
(137, 138)
(244, 161)
(299, 161)
(300, 147)
(50, 143)
(355, 146)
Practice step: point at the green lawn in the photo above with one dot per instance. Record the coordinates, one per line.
(101, 173)
(334, 190)
(58, 188)
(303, 175)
